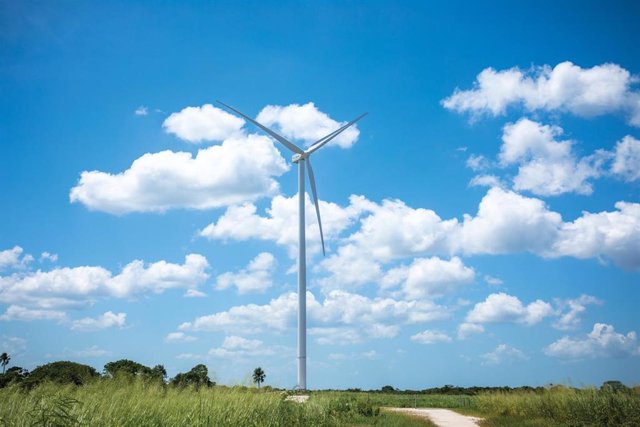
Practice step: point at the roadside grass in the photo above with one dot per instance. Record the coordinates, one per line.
(559, 407)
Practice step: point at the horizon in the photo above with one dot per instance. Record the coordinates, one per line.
(481, 223)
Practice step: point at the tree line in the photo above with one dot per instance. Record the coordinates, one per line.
(67, 372)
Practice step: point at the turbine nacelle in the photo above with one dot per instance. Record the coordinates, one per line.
(297, 157)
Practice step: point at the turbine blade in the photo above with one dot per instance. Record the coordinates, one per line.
(274, 135)
(312, 181)
(322, 141)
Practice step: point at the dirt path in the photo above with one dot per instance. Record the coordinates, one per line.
(441, 417)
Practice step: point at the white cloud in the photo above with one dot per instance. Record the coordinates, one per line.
(503, 353)
(433, 277)
(503, 308)
(107, 320)
(91, 352)
(626, 161)
(179, 337)
(373, 317)
(574, 309)
(205, 123)
(255, 277)
(141, 111)
(493, 281)
(307, 123)
(13, 258)
(46, 256)
(394, 230)
(477, 162)
(609, 235)
(507, 222)
(70, 286)
(241, 169)
(546, 166)
(585, 92)
(486, 181)
(602, 341)
(280, 224)
(194, 293)
(467, 329)
(16, 312)
(430, 337)
(235, 347)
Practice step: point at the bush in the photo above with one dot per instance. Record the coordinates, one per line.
(64, 372)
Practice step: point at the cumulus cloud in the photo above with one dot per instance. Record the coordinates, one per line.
(234, 347)
(306, 123)
(585, 92)
(432, 277)
(467, 329)
(205, 123)
(503, 308)
(107, 320)
(16, 312)
(571, 318)
(240, 169)
(507, 222)
(626, 159)
(71, 286)
(345, 314)
(603, 341)
(430, 337)
(14, 259)
(255, 277)
(243, 223)
(608, 235)
(503, 353)
(179, 337)
(546, 166)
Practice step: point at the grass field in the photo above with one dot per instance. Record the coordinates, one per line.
(139, 403)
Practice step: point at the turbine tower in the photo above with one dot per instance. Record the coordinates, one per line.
(301, 156)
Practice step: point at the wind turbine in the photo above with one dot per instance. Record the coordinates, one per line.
(301, 156)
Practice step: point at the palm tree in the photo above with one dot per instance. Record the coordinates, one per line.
(4, 361)
(258, 376)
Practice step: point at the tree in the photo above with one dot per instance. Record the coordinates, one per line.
(126, 367)
(63, 372)
(197, 376)
(14, 374)
(258, 376)
(614, 386)
(159, 372)
(4, 361)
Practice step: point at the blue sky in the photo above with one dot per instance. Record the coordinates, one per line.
(473, 227)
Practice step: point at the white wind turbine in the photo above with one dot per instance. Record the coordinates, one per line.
(299, 157)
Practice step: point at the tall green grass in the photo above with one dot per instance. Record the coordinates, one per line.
(140, 403)
(564, 406)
